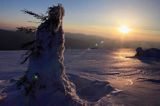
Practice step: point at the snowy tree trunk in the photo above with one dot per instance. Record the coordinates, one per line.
(45, 83)
(46, 71)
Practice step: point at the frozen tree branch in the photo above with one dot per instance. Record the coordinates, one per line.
(42, 17)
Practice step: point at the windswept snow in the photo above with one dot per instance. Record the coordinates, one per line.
(102, 77)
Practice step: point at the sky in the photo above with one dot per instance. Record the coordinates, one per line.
(97, 17)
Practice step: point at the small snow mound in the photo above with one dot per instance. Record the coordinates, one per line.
(116, 91)
(90, 90)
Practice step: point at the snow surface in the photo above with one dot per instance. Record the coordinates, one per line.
(102, 77)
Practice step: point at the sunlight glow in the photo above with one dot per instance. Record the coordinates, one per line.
(124, 29)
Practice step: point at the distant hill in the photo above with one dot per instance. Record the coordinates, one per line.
(10, 40)
(13, 40)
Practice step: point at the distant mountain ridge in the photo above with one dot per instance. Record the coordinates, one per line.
(13, 40)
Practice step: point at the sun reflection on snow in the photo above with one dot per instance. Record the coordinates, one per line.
(123, 53)
(122, 82)
(128, 68)
(122, 58)
(129, 82)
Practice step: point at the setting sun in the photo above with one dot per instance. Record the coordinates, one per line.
(124, 29)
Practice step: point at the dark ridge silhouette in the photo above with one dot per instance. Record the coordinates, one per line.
(14, 40)
(17, 40)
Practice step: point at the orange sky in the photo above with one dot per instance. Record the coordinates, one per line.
(95, 17)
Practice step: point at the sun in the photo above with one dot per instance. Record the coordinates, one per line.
(124, 29)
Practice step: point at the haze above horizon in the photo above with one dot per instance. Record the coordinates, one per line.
(98, 17)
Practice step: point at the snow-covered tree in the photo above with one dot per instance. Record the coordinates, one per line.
(46, 76)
